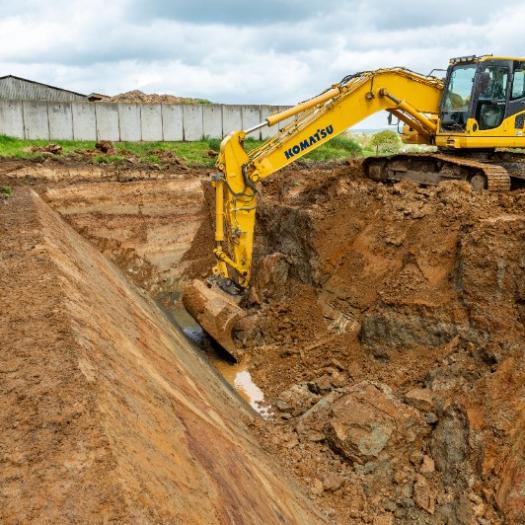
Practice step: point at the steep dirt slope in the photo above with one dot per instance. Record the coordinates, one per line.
(107, 414)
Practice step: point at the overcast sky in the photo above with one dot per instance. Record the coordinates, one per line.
(243, 51)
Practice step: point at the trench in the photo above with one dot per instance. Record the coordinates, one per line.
(154, 231)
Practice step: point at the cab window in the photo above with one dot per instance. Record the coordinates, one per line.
(492, 84)
(456, 103)
(518, 83)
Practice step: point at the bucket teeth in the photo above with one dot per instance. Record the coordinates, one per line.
(216, 311)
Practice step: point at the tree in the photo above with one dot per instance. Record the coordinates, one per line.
(385, 142)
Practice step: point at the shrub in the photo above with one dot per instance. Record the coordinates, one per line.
(385, 142)
(214, 144)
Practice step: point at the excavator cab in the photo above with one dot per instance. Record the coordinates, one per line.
(484, 94)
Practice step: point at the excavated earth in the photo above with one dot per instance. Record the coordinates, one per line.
(385, 327)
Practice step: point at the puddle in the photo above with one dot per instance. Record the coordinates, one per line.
(235, 374)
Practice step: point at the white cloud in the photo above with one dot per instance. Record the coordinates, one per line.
(276, 52)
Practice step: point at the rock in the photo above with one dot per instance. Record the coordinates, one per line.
(369, 467)
(55, 149)
(431, 418)
(337, 364)
(316, 437)
(383, 329)
(416, 457)
(105, 146)
(316, 419)
(420, 398)
(321, 385)
(248, 330)
(368, 418)
(283, 406)
(384, 519)
(317, 487)
(450, 446)
(299, 398)
(338, 379)
(332, 482)
(427, 466)
(424, 496)
(389, 505)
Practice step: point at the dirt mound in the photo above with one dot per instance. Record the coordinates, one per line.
(107, 414)
(417, 293)
(139, 97)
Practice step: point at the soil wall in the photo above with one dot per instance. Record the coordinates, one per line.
(107, 414)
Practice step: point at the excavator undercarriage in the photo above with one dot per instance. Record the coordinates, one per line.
(497, 171)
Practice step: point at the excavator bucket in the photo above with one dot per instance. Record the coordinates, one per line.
(216, 311)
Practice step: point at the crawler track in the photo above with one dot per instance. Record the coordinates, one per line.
(431, 169)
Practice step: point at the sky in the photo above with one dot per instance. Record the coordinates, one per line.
(251, 51)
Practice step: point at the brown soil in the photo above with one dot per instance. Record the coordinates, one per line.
(139, 97)
(386, 327)
(108, 415)
(403, 301)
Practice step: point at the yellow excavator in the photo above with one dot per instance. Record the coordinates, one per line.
(475, 118)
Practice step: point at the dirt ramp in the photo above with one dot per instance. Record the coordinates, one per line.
(107, 415)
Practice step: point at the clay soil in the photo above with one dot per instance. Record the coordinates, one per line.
(385, 326)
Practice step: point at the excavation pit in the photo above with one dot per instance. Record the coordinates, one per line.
(385, 326)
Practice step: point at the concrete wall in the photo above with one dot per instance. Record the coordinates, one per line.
(128, 122)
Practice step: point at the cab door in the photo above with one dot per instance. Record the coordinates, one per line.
(516, 105)
(491, 94)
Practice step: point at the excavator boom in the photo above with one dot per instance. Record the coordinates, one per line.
(414, 98)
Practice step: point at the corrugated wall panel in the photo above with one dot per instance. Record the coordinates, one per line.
(18, 89)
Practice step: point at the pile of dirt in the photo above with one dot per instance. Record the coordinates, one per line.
(108, 414)
(139, 97)
(54, 149)
(387, 325)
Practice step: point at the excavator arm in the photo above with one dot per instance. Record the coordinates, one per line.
(411, 97)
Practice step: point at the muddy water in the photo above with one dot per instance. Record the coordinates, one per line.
(235, 374)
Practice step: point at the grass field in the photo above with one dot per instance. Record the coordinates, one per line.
(195, 153)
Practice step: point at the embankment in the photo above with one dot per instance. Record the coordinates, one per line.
(107, 414)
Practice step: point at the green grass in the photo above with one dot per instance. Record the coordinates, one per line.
(6, 191)
(195, 153)
(339, 148)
